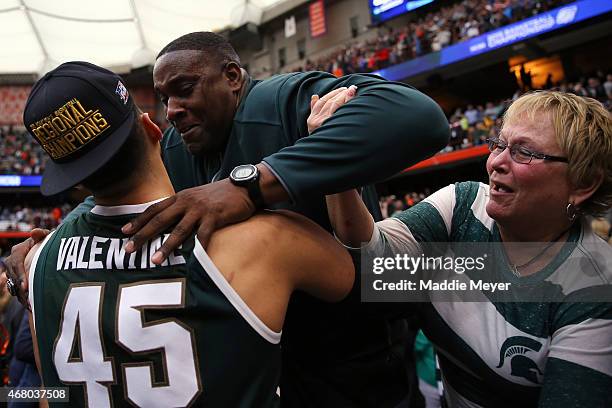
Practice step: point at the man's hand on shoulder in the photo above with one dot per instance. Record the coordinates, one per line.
(203, 209)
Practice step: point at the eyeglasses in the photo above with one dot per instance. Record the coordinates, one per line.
(520, 154)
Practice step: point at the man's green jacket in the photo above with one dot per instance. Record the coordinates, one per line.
(384, 129)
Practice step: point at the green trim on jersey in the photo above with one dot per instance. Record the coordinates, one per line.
(461, 230)
(574, 313)
(425, 222)
(560, 391)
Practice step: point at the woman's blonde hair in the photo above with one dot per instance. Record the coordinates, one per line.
(583, 128)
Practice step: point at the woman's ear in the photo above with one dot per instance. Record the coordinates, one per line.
(580, 194)
(152, 130)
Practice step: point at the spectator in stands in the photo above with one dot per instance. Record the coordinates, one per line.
(471, 114)
(608, 86)
(26, 218)
(595, 90)
(471, 29)
(549, 82)
(395, 207)
(442, 39)
(481, 132)
(492, 110)
(457, 133)
(409, 200)
(526, 79)
(385, 206)
(579, 89)
(480, 116)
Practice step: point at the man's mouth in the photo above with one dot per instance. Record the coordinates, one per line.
(185, 129)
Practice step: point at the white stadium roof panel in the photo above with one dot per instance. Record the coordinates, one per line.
(19, 49)
(37, 35)
(85, 10)
(107, 44)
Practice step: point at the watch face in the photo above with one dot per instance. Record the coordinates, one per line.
(243, 172)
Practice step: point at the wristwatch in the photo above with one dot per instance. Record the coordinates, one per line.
(247, 175)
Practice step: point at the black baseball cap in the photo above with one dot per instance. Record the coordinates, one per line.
(81, 114)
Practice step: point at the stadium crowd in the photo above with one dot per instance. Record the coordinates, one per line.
(25, 217)
(434, 31)
(472, 125)
(19, 154)
(392, 204)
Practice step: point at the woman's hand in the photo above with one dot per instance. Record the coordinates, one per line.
(322, 108)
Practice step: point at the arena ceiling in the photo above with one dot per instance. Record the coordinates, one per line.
(37, 35)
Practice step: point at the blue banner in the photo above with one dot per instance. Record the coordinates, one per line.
(383, 10)
(510, 34)
(10, 180)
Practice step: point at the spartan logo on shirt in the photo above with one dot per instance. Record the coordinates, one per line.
(516, 349)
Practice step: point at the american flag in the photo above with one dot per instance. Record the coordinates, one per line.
(122, 92)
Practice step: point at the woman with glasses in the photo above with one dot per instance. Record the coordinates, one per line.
(549, 168)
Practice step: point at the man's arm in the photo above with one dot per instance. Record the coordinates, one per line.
(385, 128)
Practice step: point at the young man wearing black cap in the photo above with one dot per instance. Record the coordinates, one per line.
(202, 328)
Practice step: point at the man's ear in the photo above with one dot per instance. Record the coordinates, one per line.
(152, 130)
(233, 74)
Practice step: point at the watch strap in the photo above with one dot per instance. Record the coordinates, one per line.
(255, 193)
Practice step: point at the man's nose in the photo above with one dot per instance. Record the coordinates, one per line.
(174, 110)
